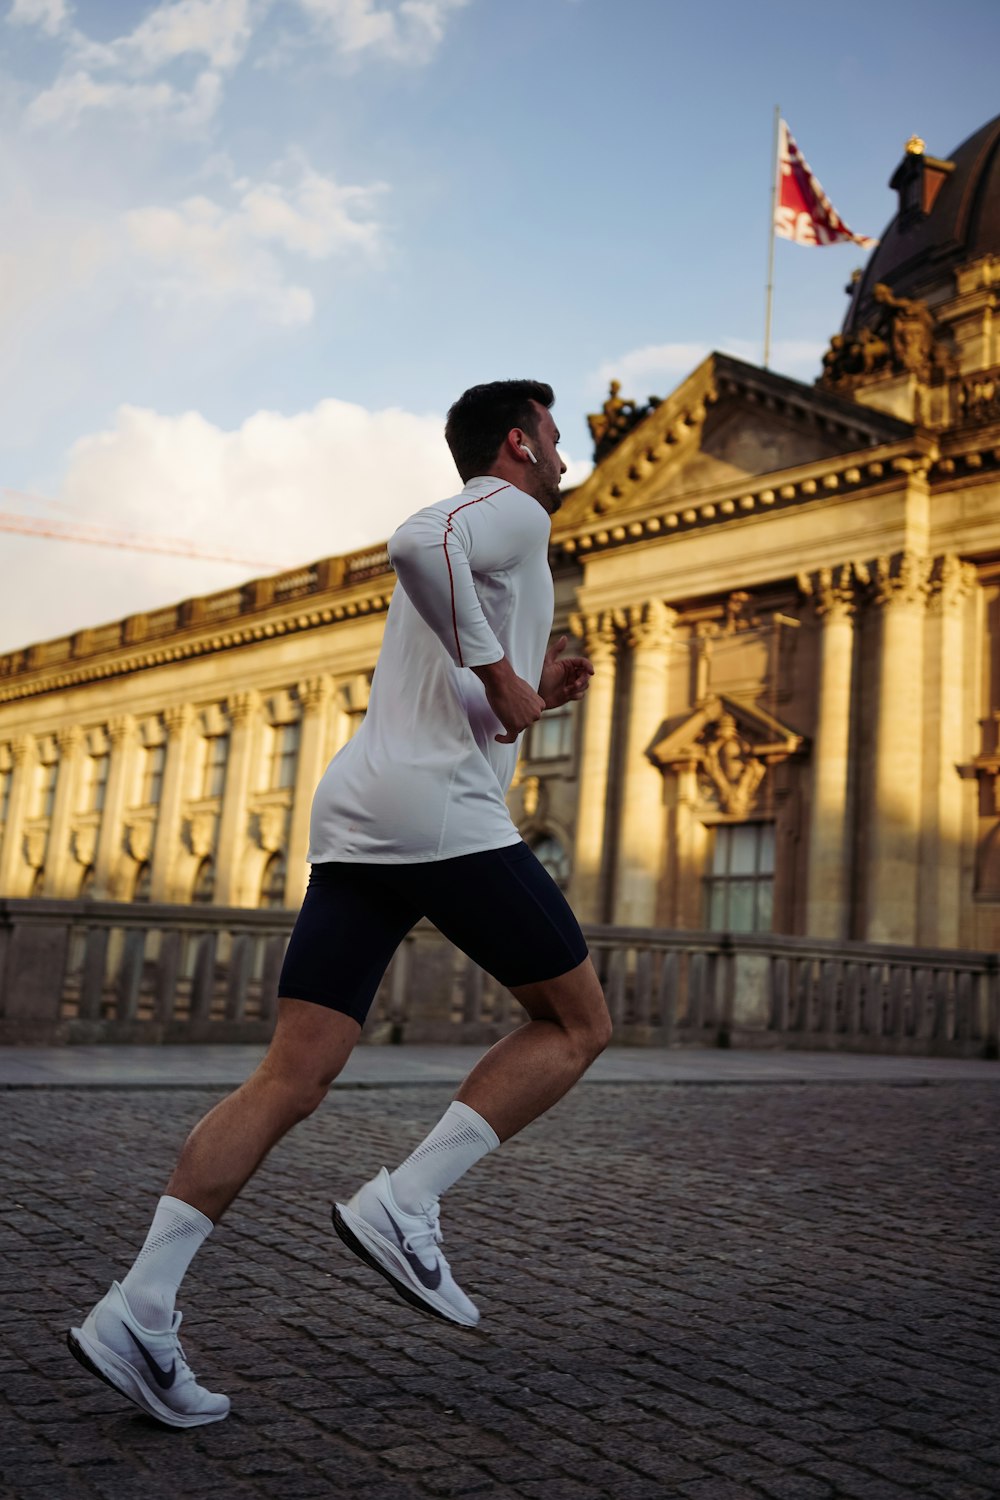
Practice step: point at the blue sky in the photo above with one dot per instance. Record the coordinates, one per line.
(256, 247)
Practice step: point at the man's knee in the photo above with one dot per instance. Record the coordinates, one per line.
(297, 1094)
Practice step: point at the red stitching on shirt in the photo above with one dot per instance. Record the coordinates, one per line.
(451, 577)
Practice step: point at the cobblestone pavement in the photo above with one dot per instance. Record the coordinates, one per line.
(712, 1293)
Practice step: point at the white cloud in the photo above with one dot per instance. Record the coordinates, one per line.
(218, 30)
(204, 252)
(293, 488)
(408, 32)
(655, 369)
(51, 15)
(74, 94)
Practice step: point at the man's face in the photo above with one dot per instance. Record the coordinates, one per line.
(546, 473)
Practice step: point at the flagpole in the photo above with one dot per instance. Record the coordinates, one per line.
(770, 243)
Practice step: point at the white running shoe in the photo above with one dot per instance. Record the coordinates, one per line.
(149, 1368)
(405, 1249)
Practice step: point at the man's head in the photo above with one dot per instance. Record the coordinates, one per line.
(506, 429)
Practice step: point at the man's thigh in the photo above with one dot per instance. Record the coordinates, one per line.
(503, 909)
(352, 920)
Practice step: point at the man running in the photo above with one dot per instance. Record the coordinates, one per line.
(409, 821)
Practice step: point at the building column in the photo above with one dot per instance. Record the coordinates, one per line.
(314, 696)
(829, 848)
(107, 865)
(167, 845)
(243, 710)
(899, 594)
(63, 806)
(597, 632)
(23, 753)
(642, 826)
(947, 674)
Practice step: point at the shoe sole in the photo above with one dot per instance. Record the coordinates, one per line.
(358, 1247)
(129, 1386)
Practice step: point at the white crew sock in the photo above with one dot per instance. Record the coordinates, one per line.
(150, 1288)
(456, 1143)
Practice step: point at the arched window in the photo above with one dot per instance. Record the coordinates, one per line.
(143, 881)
(550, 852)
(272, 887)
(203, 891)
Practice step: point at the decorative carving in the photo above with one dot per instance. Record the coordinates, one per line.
(35, 841)
(242, 707)
(650, 626)
(731, 747)
(178, 717)
(900, 339)
(978, 398)
(616, 419)
(139, 840)
(269, 828)
(902, 578)
(833, 591)
(315, 693)
(19, 747)
(951, 583)
(68, 739)
(730, 768)
(199, 833)
(120, 728)
(597, 632)
(83, 842)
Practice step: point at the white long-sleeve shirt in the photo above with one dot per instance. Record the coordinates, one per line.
(424, 777)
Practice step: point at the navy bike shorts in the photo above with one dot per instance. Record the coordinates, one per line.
(501, 907)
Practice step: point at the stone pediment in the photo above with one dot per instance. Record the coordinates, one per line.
(726, 424)
(730, 745)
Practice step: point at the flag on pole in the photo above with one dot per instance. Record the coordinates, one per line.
(802, 211)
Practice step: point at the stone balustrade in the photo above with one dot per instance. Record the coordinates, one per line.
(95, 971)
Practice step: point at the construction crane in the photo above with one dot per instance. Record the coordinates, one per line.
(131, 541)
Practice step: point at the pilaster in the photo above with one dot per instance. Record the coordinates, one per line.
(944, 792)
(833, 593)
(244, 710)
(108, 864)
(899, 594)
(597, 632)
(164, 886)
(12, 867)
(315, 695)
(57, 853)
(642, 824)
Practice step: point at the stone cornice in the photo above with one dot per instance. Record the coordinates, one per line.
(330, 592)
(871, 470)
(674, 423)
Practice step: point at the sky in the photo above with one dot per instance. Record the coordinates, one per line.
(253, 249)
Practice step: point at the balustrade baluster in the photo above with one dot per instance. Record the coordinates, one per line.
(942, 987)
(274, 957)
(238, 980)
(203, 983)
(95, 960)
(666, 994)
(615, 990)
(167, 972)
(642, 1002)
(130, 974)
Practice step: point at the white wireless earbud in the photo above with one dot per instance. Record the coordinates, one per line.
(528, 451)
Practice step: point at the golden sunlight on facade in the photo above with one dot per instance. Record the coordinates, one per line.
(791, 595)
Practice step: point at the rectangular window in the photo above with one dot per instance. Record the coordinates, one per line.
(45, 788)
(96, 782)
(284, 756)
(213, 768)
(152, 774)
(740, 888)
(552, 735)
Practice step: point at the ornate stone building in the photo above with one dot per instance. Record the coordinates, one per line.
(791, 594)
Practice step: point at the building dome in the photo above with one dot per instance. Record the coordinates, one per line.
(949, 215)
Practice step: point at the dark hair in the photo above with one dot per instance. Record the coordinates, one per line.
(482, 417)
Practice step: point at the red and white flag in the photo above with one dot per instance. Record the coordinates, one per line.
(802, 211)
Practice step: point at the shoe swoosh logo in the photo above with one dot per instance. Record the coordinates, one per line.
(429, 1276)
(163, 1378)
